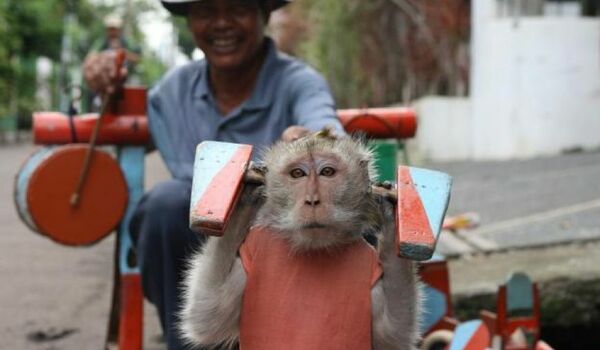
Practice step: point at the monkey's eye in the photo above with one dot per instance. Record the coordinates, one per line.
(297, 172)
(327, 171)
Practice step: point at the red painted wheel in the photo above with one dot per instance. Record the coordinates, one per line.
(45, 185)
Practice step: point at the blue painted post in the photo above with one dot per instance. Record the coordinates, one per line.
(130, 333)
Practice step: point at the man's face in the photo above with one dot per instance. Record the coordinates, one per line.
(113, 32)
(229, 32)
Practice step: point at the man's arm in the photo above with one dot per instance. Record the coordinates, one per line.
(312, 107)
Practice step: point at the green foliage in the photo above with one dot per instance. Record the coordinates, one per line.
(184, 35)
(30, 29)
(381, 52)
(19, 21)
(150, 69)
(334, 46)
(38, 25)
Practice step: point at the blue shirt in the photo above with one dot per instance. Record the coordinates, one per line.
(182, 110)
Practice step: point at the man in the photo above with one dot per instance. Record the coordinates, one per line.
(115, 40)
(107, 46)
(245, 91)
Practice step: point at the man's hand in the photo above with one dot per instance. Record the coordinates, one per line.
(100, 72)
(294, 132)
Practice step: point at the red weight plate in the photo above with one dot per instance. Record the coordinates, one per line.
(102, 201)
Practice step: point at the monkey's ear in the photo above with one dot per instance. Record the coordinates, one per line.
(365, 166)
(369, 169)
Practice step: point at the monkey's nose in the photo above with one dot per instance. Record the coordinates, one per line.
(312, 200)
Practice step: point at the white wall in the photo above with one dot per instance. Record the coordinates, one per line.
(535, 90)
(444, 129)
(536, 87)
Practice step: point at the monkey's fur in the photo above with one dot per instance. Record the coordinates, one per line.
(334, 211)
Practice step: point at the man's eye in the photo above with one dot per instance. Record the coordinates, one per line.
(327, 171)
(242, 7)
(201, 12)
(297, 172)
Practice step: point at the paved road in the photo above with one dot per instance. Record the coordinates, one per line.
(521, 204)
(50, 290)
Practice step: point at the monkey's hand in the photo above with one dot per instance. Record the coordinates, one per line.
(216, 279)
(251, 199)
(395, 297)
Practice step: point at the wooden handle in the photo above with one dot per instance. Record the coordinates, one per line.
(106, 102)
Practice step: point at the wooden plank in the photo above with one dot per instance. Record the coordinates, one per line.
(103, 197)
(519, 293)
(219, 170)
(471, 335)
(437, 304)
(380, 123)
(126, 325)
(423, 197)
(131, 313)
(131, 160)
(57, 128)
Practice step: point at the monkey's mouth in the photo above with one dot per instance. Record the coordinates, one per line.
(313, 225)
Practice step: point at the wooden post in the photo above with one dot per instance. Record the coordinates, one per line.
(471, 335)
(126, 319)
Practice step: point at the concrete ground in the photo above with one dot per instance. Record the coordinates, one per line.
(539, 216)
(55, 297)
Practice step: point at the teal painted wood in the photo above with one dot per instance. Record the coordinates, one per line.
(22, 184)
(219, 169)
(467, 336)
(385, 152)
(211, 156)
(131, 160)
(435, 306)
(434, 190)
(519, 292)
(423, 197)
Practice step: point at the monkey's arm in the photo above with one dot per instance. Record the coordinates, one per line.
(216, 279)
(395, 297)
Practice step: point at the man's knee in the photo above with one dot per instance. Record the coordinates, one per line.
(163, 209)
(168, 198)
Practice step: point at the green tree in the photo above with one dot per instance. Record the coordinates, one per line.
(382, 52)
(334, 46)
(33, 28)
(28, 30)
(184, 35)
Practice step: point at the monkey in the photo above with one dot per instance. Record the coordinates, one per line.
(293, 270)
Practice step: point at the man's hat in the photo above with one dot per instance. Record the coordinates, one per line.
(180, 7)
(113, 21)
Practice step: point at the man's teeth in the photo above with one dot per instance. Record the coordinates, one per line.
(224, 42)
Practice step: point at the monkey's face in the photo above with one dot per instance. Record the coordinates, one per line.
(312, 181)
(317, 195)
